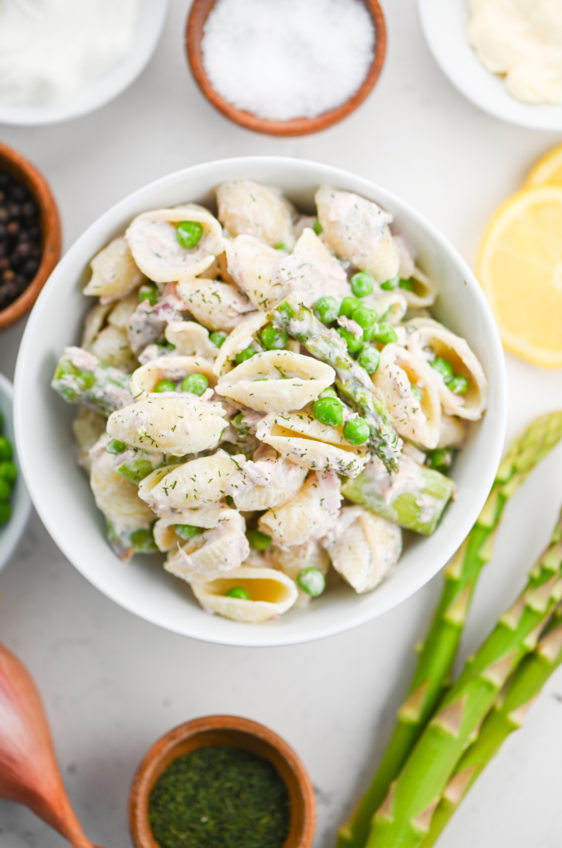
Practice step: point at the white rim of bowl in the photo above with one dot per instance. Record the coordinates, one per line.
(274, 638)
(536, 116)
(20, 516)
(99, 92)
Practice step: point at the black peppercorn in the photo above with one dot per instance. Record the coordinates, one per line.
(20, 238)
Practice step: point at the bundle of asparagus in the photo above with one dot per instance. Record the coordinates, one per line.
(430, 762)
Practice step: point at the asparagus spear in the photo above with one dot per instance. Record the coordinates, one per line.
(506, 716)
(352, 381)
(418, 506)
(437, 653)
(404, 818)
(81, 378)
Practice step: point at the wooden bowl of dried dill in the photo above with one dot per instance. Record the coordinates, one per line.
(221, 780)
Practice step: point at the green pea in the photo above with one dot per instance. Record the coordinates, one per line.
(354, 343)
(245, 354)
(458, 385)
(389, 285)
(348, 304)
(312, 581)
(326, 309)
(6, 450)
(385, 333)
(356, 430)
(143, 540)
(115, 446)
(362, 284)
(166, 347)
(149, 292)
(187, 531)
(8, 471)
(369, 359)
(136, 470)
(444, 368)
(164, 386)
(280, 245)
(366, 318)
(317, 226)
(5, 489)
(329, 411)
(258, 541)
(237, 592)
(440, 459)
(217, 338)
(328, 393)
(188, 234)
(5, 512)
(195, 384)
(407, 285)
(417, 393)
(273, 339)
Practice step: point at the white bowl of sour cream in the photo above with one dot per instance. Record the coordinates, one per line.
(60, 489)
(60, 59)
(445, 24)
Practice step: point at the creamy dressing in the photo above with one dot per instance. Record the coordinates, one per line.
(522, 41)
(49, 49)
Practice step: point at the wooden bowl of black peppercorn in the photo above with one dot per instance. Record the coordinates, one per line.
(30, 234)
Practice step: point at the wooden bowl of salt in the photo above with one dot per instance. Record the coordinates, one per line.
(286, 68)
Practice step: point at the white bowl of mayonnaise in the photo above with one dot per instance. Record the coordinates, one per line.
(506, 57)
(60, 59)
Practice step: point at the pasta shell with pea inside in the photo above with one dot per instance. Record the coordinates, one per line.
(291, 561)
(358, 229)
(114, 272)
(433, 340)
(173, 368)
(238, 340)
(298, 436)
(205, 517)
(276, 381)
(174, 424)
(191, 484)
(247, 207)
(363, 547)
(270, 594)
(153, 240)
(216, 551)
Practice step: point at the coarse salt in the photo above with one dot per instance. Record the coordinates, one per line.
(283, 59)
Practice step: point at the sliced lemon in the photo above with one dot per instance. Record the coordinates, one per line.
(547, 170)
(519, 266)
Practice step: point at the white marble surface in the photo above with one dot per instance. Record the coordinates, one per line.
(112, 683)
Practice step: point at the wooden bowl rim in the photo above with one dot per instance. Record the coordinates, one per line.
(158, 758)
(34, 180)
(196, 18)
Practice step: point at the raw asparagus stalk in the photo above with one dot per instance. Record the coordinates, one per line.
(81, 378)
(404, 818)
(506, 716)
(352, 381)
(417, 508)
(438, 651)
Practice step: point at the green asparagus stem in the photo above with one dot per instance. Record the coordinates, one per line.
(404, 819)
(419, 508)
(438, 651)
(506, 716)
(81, 378)
(352, 381)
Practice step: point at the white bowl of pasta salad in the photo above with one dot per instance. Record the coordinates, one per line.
(279, 401)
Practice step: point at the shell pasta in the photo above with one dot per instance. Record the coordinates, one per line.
(264, 397)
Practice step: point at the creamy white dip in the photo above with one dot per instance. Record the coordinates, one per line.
(49, 49)
(522, 41)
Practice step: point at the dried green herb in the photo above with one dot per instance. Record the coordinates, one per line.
(220, 796)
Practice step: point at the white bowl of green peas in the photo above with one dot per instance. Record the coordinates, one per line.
(14, 499)
(60, 489)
